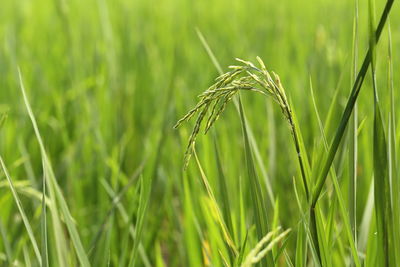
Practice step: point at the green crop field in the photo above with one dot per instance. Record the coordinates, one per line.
(199, 133)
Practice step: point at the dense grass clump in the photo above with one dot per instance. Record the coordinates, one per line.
(299, 169)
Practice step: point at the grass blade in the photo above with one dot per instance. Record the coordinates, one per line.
(209, 51)
(393, 167)
(226, 209)
(255, 188)
(22, 213)
(353, 150)
(338, 192)
(383, 208)
(382, 190)
(215, 207)
(145, 190)
(349, 108)
(190, 234)
(43, 222)
(55, 190)
(125, 217)
(6, 244)
(3, 119)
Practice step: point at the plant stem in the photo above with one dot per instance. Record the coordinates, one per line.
(299, 156)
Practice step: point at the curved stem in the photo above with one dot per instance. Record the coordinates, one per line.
(299, 156)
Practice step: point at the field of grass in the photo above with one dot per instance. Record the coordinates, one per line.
(93, 172)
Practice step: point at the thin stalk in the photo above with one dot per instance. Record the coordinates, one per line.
(353, 151)
(314, 232)
(299, 156)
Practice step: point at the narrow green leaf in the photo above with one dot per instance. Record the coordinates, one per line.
(192, 241)
(43, 222)
(125, 217)
(255, 187)
(348, 110)
(213, 201)
(6, 244)
(322, 241)
(55, 192)
(353, 149)
(383, 208)
(382, 189)
(242, 250)
(209, 51)
(364, 228)
(145, 190)
(393, 167)
(301, 248)
(22, 213)
(342, 208)
(226, 209)
(3, 118)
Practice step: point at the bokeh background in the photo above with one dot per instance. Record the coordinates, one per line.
(108, 79)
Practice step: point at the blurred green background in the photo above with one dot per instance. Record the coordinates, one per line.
(108, 79)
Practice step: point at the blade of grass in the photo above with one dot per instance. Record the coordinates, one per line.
(393, 171)
(125, 218)
(27, 258)
(159, 256)
(255, 188)
(220, 220)
(3, 119)
(116, 201)
(301, 247)
(338, 192)
(364, 228)
(330, 224)
(22, 213)
(304, 226)
(353, 151)
(241, 221)
(226, 209)
(55, 191)
(383, 209)
(6, 244)
(145, 190)
(209, 51)
(43, 222)
(302, 155)
(371, 255)
(348, 109)
(214, 244)
(190, 234)
(242, 250)
(325, 255)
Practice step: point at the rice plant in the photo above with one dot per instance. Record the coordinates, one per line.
(295, 169)
(246, 77)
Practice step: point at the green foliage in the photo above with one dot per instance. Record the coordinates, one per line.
(93, 173)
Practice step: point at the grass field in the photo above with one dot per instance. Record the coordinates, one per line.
(93, 171)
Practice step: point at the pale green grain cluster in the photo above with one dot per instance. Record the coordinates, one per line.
(263, 246)
(213, 101)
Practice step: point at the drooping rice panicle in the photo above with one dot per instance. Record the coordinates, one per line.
(245, 77)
